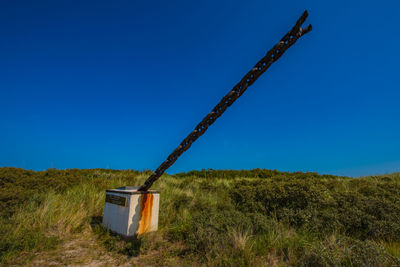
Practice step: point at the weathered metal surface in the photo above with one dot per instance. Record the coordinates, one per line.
(146, 212)
(138, 216)
(272, 55)
(130, 190)
(117, 200)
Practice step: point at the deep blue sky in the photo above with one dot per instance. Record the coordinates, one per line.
(118, 84)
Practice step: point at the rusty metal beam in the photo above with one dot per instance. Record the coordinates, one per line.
(272, 55)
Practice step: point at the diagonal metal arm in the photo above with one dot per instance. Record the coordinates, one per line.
(272, 55)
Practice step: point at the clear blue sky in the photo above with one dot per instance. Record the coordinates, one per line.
(118, 84)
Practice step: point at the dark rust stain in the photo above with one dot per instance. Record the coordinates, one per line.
(146, 208)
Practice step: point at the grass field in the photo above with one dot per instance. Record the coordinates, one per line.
(216, 218)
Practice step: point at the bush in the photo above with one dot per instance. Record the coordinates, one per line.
(364, 209)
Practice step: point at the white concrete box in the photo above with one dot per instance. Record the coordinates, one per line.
(129, 212)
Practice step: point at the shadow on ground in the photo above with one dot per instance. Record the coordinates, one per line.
(114, 242)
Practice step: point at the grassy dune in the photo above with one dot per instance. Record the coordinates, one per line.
(232, 218)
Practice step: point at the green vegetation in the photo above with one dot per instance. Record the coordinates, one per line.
(229, 218)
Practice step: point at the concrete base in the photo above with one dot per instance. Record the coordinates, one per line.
(129, 212)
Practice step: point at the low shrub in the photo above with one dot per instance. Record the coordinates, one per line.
(360, 208)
